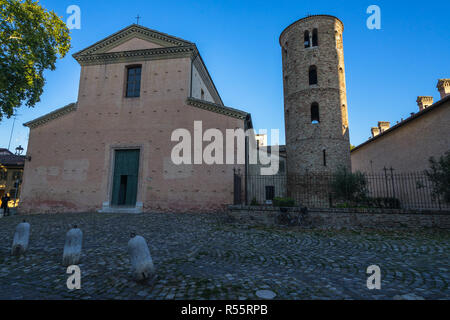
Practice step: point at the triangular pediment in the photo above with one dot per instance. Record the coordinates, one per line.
(134, 37)
(135, 43)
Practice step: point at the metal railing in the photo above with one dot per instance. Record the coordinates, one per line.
(409, 190)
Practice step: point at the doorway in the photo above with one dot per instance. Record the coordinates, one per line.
(125, 178)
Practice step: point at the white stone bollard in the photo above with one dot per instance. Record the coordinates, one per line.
(141, 261)
(72, 248)
(21, 239)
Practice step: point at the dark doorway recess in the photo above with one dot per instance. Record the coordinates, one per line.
(125, 181)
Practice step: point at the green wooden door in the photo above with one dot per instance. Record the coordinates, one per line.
(125, 181)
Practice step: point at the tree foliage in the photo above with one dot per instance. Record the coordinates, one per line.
(31, 40)
(439, 174)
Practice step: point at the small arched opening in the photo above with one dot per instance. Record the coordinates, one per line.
(307, 40)
(315, 38)
(315, 115)
(312, 75)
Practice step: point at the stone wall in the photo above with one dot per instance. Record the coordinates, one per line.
(341, 218)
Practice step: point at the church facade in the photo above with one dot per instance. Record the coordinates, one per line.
(111, 150)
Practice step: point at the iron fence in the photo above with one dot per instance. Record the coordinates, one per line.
(410, 190)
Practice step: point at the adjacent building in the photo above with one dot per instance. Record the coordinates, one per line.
(408, 145)
(11, 172)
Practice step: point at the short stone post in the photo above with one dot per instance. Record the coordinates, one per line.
(141, 261)
(21, 239)
(72, 248)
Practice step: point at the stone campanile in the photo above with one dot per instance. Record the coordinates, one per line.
(315, 99)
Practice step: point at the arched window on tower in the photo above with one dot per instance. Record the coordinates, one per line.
(307, 41)
(315, 116)
(312, 75)
(315, 38)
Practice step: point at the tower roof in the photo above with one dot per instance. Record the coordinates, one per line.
(308, 18)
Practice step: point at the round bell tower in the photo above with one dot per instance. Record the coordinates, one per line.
(315, 98)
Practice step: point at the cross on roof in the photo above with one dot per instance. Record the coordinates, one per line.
(137, 19)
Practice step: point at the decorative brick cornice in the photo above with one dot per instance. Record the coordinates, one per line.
(137, 55)
(51, 116)
(129, 32)
(205, 105)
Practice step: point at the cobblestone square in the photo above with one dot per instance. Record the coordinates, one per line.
(203, 257)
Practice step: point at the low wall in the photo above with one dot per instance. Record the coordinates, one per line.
(341, 218)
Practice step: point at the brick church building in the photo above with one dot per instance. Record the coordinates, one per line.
(111, 150)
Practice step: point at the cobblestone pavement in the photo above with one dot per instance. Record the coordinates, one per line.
(202, 257)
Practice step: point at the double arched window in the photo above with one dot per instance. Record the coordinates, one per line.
(312, 75)
(315, 115)
(312, 40)
(315, 38)
(307, 40)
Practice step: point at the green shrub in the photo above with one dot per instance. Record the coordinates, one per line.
(349, 186)
(283, 202)
(254, 202)
(439, 174)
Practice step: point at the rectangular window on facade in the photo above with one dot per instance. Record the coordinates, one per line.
(134, 81)
(270, 193)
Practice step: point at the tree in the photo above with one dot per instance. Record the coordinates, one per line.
(31, 40)
(439, 174)
(350, 186)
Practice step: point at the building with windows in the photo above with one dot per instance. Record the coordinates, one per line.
(112, 149)
(262, 189)
(11, 172)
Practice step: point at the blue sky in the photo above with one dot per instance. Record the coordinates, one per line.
(386, 69)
